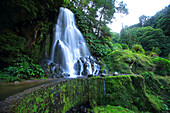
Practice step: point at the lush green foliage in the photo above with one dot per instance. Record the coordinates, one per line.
(160, 20)
(148, 75)
(33, 20)
(157, 88)
(22, 69)
(21, 11)
(151, 32)
(116, 46)
(137, 48)
(10, 45)
(111, 109)
(125, 61)
(124, 46)
(148, 37)
(156, 50)
(162, 66)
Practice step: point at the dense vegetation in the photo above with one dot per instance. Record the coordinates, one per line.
(153, 33)
(26, 34)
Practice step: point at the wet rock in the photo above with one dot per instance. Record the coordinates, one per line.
(84, 66)
(104, 72)
(65, 74)
(57, 69)
(115, 73)
(77, 66)
(103, 75)
(83, 59)
(90, 75)
(16, 82)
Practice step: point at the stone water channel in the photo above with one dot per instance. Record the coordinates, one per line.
(9, 89)
(59, 95)
(63, 95)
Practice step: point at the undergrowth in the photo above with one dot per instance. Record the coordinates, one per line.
(22, 69)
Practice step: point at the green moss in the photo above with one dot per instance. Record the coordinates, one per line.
(157, 103)
(111, 109)
(125, 61)
(127, 91)
(162, 66)
(138, 48)
(62, 96)
(157, 88)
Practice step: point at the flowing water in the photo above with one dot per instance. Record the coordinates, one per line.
(69, 48)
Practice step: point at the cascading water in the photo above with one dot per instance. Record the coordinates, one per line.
(69, 48)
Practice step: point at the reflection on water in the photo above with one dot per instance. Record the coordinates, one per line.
(7, 90)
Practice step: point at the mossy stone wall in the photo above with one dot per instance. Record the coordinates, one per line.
(58, 97)
(128, 92)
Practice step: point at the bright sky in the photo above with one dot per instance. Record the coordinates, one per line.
(136, 9)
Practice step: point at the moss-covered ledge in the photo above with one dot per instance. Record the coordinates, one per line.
(56, 97)
(127, 91)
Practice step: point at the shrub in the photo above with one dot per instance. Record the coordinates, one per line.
(124, 46)
(162, 66)
(156, 50)
(148, 75)
(116, 46)
(151, 54)
(137, 48)
(24, 68)
(122, 61)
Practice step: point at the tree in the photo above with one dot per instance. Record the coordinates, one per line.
(154, 38)
(148, 37)
(142, 19)
(124, 36)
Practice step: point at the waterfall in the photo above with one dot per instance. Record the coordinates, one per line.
(69, 48)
